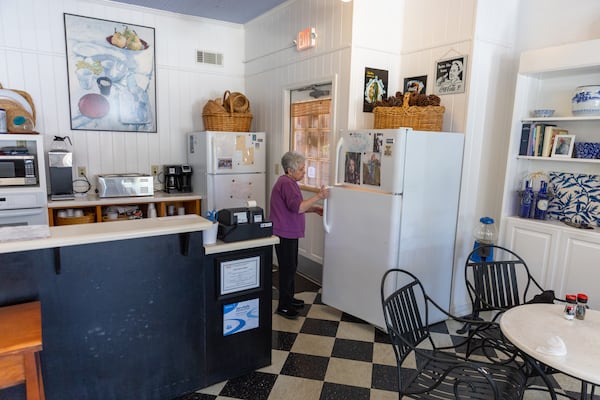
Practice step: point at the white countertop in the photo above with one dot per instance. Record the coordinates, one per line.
(530, 326)
(72, 235)
(221, 247)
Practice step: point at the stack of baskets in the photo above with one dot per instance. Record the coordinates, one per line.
(230, 114)
(421, 118)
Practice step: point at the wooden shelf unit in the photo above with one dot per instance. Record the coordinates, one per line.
(94, 204)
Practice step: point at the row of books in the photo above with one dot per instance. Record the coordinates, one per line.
(537, 138)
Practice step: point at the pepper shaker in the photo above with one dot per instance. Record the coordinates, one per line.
(582, 300)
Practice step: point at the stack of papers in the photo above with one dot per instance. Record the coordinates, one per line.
(23, 232)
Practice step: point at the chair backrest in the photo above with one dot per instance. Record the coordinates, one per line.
(500, 283)
(405, 311)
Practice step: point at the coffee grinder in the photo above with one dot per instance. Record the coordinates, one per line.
(60, 165)
(178, 178)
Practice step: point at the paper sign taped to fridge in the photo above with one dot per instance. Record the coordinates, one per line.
(245, 148)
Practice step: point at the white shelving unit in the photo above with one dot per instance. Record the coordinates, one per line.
(561, 257)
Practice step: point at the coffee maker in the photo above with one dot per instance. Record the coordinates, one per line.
(178, 178)
(60, 166)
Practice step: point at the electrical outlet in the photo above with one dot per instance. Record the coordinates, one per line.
(155, 170)
(276, 169)
(81, 171)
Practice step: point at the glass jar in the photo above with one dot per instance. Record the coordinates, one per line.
(582, 300)
(570, 306)
(485, 233)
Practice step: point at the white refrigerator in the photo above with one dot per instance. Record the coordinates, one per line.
(397, 208)
(228, 168)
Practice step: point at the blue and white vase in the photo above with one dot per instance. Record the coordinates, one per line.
(586, 100)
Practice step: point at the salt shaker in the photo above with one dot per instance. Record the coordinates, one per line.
(570, 306)
(582, 300)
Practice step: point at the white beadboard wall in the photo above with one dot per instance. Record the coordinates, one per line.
(32, 58)
(274, 67)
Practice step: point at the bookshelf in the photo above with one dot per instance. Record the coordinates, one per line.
(560, 257)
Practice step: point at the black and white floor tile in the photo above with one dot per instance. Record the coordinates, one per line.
(329, 355)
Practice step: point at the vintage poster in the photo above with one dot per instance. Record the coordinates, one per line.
(375, 89)
(451, 75)
(416, 84)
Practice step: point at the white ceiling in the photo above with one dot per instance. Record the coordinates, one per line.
(236, 11)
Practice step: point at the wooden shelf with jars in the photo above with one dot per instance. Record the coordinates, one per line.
(91, 208)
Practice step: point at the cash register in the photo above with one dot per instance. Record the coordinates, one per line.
(244, 223)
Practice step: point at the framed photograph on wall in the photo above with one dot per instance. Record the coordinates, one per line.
(563, 146)
(451, 75)
(111, 75)
(417, 84)
(375, 89)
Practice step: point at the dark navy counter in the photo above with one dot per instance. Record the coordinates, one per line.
(134, 309)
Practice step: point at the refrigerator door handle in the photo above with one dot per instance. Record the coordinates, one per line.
(338, 149)
(326, 225)
(213, 152)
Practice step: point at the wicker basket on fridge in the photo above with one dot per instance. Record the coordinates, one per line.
(219, 119)
(427, 118)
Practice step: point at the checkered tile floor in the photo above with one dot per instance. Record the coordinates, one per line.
(329, 355)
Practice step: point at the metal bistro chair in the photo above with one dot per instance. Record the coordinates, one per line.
(439, 372)
(494, 286)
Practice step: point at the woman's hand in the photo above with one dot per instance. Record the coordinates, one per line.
(308, 205)
(317, 210)
(323, 193)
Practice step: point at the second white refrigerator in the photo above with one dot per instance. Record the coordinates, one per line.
(228, 168)
(394, 204)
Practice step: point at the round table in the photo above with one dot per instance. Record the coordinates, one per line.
(530, 326)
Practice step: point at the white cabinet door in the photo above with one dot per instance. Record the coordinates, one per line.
(536, 244)
(578, 266)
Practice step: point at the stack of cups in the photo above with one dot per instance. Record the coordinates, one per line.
(151, 211)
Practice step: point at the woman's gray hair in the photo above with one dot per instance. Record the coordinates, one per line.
(291, 160)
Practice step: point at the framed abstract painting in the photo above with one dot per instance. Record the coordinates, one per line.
(111, 75)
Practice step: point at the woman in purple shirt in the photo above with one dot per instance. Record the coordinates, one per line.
(287, 214)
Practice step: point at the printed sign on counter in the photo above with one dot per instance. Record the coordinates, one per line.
(239, 317)
(238, 275)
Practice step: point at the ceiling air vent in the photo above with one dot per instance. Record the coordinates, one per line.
(206, 57)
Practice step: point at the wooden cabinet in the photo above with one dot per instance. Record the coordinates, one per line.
(94, 208)
(577, 269)
(536, 243)
(561, 257)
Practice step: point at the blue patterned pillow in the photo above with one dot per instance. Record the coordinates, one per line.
(576, 197)
(587, 150)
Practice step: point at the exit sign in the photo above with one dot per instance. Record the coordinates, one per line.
(306, 39)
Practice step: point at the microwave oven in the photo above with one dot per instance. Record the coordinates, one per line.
(17, 170)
